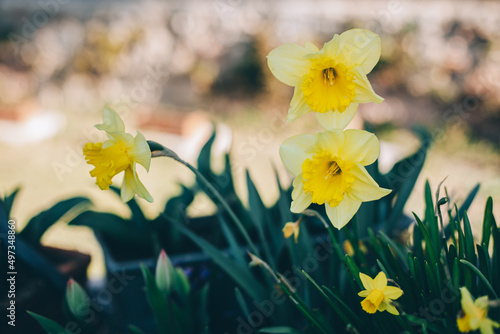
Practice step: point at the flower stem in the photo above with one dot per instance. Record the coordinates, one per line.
(158, 150)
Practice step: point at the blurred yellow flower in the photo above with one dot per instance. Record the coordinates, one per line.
(329, 169)
(378, 295)
(474, 314)
(331, 81)
(119, 153)
(292, 229)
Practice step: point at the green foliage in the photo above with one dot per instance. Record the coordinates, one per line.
(78, 313)
(40, 223)
(430, 267)
(182, 311)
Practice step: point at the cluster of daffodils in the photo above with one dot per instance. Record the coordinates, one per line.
(329, 167)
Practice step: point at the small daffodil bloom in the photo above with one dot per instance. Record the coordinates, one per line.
(119, 153)
(331, 81)
(378, 296)
(474, 314)
(292, 229)
(329, 169)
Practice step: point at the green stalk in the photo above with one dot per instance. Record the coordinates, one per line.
(158, 150)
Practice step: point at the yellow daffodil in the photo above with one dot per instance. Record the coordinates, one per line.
(292, 229)
(119, 153)
(329, 169)
(378, 296)
(474, 314)
(331, 81)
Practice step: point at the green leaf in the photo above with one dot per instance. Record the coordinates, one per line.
(37, 225)
(50, 326)
(345, 313)
(469, 240)
(112, 226)
(241, 275)
(403, 176)
(428, 241)
(484, 261)
(257, 214)
(8, 201)
(157, 302)
(487, 222)
(353, 270)
(135, 330)
(204, 158)
(460, 212)
(282, 330)
(481, 277)
(241, 301)
(234, 248)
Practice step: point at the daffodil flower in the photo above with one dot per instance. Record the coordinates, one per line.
(378, 296)
(292, 228)
(474, 314)
(329, 169)
(331, 81)
(119, 153)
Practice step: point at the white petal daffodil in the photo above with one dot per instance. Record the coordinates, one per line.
(119, 153)
(332, 81)
(329, 169)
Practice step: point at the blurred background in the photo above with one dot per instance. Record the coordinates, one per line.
(171, 69)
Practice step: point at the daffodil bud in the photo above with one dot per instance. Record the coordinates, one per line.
(77, 300)
(165, 273)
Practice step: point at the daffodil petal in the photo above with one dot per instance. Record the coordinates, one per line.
(390, 308)
(364, 90)
(486, 327)
(393, 292)
(364, 293)
(360, 146)
(132, 185)
(121, 137)
(330, 141)
(300, 200)
(342, 213)
(364, 188)
(298, 105)
(140, 151)
(360, 47)
(292, 152)
(111, 121)
(467, 301)
(287, 62)
(332, 48)
(337, 120)
(380, 281)
(482, 302)
(367, 282)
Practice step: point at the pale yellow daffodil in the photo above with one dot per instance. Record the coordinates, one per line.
(119, 153)
(331, 81)
(378, 295)
(329, 169)
(474, 314)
